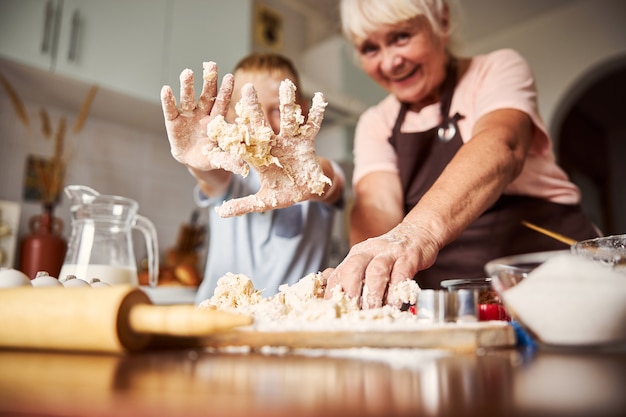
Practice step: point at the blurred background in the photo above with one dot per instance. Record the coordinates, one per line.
(53, 51)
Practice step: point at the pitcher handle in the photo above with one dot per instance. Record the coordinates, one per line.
(150, 235)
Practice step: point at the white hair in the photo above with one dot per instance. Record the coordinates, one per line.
(361, 17)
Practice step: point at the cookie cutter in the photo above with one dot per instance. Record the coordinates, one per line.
(442, 306)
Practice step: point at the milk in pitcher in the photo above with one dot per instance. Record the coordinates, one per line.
(112, 275)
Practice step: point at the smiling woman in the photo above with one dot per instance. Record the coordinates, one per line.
(450, 162)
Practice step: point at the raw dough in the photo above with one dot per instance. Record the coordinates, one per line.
(303, 304)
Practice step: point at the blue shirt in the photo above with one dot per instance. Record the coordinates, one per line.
(271, 248)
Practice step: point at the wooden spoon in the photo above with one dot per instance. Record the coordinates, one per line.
(568, 241)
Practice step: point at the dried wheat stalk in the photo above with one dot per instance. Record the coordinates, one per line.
(50, 172)
(57, 165)
(84, 110)
(18, 106)
(46, 128)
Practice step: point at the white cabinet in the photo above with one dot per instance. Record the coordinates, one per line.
(27, 31)
(131, 47)
(208, 30)
(117, 44)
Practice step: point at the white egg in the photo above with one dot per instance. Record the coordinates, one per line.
(72, 282)
(10, 278)
(43, 279)
(97, 283)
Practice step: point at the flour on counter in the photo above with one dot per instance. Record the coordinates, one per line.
(397, 358)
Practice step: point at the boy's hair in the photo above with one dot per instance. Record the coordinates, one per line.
(271, 63)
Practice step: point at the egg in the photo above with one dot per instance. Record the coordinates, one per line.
(43, 279)
(10, 278)
(72, 282)
(97, 283)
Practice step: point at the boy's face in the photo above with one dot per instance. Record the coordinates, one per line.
(266, 86)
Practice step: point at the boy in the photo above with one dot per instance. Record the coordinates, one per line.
(272, 247)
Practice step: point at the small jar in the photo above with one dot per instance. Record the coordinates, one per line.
(490, 306)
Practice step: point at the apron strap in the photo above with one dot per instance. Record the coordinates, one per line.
(448, 126)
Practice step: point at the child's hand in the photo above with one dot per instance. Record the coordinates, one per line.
(287, 163)
(186, 129)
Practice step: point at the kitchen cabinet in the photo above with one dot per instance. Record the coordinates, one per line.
(117, 44)
(26, 31)
(207, 30)
(131, 47)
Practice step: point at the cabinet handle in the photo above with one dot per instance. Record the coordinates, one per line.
(71, 55)
(47, 27)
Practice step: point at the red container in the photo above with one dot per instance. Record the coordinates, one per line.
(44, 248)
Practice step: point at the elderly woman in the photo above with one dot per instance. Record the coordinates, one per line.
(450, 163)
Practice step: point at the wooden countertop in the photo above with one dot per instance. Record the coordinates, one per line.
(197, 382)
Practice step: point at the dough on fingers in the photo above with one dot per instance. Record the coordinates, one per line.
(287, 163)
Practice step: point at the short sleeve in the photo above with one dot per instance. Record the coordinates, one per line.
(372, 150)
(505, 80)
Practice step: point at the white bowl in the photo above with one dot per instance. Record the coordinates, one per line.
(568, 300)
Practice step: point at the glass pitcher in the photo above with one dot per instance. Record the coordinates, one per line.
(100, 244)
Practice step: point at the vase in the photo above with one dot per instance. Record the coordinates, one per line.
(44, 248)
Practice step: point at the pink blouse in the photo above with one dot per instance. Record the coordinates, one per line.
(500, 79)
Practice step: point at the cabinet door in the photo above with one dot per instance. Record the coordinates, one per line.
(118, 44)
(27, 31)
(207, 30)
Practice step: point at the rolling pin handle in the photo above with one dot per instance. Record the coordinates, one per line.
(182, 320)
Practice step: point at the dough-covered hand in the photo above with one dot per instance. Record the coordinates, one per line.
(186, 126)
(287, 163)
(374, 269)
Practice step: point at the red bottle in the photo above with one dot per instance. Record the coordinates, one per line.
(44, 248)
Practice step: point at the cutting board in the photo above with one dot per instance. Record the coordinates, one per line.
(453, 336)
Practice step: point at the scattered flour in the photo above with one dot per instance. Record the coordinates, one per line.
(414, 359)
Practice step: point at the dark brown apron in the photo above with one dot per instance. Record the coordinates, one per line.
(422, 156)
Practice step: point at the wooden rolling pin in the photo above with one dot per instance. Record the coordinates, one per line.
(116, 319)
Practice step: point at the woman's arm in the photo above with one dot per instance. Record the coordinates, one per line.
(471, 182)
(378, 206)
(476, 176)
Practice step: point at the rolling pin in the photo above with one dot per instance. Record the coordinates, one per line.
(120, 318)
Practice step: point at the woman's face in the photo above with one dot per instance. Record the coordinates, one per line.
(407, 59)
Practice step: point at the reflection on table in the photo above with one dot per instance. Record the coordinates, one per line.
(199, 382)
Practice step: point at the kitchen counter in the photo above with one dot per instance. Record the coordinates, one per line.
(351, 382)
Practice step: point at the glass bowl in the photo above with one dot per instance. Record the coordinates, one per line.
(608, 250)
(520, 265)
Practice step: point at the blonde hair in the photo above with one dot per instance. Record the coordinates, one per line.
(273, 64)
(360, 17)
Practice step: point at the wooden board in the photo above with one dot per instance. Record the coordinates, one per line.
(458, 337)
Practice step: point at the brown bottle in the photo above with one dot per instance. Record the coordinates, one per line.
(44, 248)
